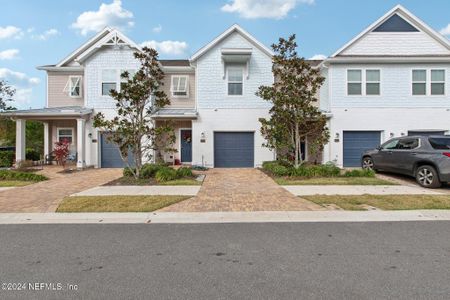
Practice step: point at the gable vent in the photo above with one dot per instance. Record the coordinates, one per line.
(395, 24)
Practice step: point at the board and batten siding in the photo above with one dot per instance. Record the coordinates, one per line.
(56, 83)
(396, 87)
(212, 87)
(396, 43)
(180, 102)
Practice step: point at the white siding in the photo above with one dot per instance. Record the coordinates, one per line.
(106, 58)
(212, 87)
(396, 90)
(396, 43)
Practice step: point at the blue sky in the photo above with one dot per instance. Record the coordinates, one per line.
(34, 33)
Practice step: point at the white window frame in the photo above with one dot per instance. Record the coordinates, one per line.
(366, 82)
(444, 82)
(69, 88)
(360, 82)
(117, 81)
(172, 89)
(65, 128)
(242, 68)
(426, 82)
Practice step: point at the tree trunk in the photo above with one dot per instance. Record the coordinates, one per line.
(297, 145)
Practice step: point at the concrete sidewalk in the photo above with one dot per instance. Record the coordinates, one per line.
(182, 190)
(224, 217)
(308, 190)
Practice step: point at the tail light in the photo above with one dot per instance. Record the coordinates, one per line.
(446, 154)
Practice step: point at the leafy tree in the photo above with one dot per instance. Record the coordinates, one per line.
(294, 116)
(133, 129)
(61, 152)
(6, 95)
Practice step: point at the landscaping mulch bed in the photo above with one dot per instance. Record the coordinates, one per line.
(152, 181)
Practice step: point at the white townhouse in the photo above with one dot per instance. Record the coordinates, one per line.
(391, 80)
(213, 103)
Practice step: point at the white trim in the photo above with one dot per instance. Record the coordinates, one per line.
(408, 16)
(64, 128)
(179, 144)
(187, 86)
(71, 88)
(226, 33)
(428, 82)
(242, 68)
(363, 81)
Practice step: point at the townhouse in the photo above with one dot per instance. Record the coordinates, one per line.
(390, 80)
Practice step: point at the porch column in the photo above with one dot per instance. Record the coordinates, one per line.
(20, 140)
(81, 145)
(46, 139)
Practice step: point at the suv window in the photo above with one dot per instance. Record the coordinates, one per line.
(440, 143)
(390, 145)
(407, 144)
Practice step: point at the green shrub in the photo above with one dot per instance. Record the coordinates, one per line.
(279, 170)
(21, 176)
(149, 170)
(184, 172)
(326, 170)
(127, 172)
(199, 168)
(7, 159)
(166, 174)
(359, 173)
(31, 154)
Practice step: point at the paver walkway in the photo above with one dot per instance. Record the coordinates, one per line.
(45, 196)
(308, 190)
(241, 190)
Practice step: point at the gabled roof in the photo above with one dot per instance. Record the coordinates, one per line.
(108, 36)
(406, 15)
(225, 34)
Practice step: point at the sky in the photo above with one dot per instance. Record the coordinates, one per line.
(35, 33)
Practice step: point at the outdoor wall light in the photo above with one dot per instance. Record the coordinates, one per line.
(403, 134)
(336, 137)
(90, 135)
(392, 134)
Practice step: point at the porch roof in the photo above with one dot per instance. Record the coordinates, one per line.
(64, 111)
(175, 113)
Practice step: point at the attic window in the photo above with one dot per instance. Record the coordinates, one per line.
(179, 86)
(395, 24)
(73, 86)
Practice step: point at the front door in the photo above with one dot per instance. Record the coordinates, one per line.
(186, 145)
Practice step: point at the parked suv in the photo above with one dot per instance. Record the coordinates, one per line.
(427, 158)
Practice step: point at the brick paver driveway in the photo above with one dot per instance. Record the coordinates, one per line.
(241, 190)
(45, 196)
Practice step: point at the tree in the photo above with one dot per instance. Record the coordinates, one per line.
(133, 129)
(61, 152)
(6, 95)
(294, 117)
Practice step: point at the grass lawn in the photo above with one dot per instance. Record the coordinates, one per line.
(131, 181)
(13, 183)
(117, 203)
(384, 202)
(333, 181)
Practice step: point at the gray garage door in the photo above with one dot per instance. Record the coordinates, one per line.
(234, 149)
(110, 154)
(355, 143)
(426, 133)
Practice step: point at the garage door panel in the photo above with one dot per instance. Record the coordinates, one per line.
(355, 143)
(110, 155)
(233, 149)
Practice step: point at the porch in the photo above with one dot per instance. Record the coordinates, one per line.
(60, 123)
(181, 120)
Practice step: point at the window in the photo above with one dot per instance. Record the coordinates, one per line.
(372, 82)
(440, 143)
(354, 82)
(419, 82)
(179, 86)
(235, 80)
(390, 145)
(407, 144)
(109, 81)
(65, 134)
(437, 82)
(73, 86)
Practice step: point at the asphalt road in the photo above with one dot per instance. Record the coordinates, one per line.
(400, 260)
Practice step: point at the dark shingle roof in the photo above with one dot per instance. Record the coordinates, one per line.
(175, 62)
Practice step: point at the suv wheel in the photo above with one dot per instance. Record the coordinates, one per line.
(367, 163)
(428, 177)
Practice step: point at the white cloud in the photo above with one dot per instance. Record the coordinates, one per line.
(46, 34)
(10, 32)
(318, 57)
(446, 30)
(9, 54)
(21, 82)
(167, 47)
(157, 29)
(107, 15)
(271, 9)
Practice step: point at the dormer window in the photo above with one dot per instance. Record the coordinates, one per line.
(73, 86)
(235, 77)
(180, 86)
